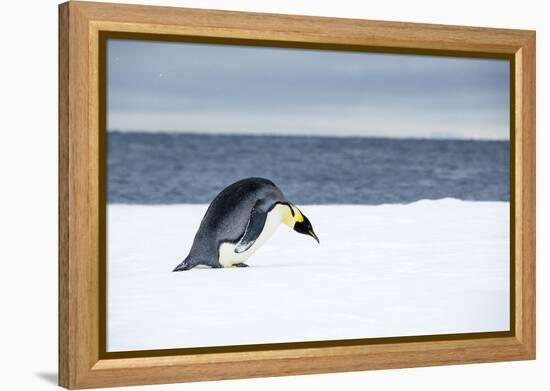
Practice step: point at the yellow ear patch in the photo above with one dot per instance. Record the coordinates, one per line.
(291, 214)
(298, 215)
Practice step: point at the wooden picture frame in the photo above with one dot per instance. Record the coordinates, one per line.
(83, 26)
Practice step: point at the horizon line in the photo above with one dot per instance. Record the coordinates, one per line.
(443, 137)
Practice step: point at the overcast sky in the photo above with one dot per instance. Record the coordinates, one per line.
(183, 87)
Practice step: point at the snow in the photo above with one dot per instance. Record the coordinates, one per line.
(430, 267)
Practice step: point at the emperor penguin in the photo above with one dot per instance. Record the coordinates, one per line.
(239, 221)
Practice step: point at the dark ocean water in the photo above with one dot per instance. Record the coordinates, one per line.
(186, 168)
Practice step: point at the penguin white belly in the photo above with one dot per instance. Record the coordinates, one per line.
(275, 217)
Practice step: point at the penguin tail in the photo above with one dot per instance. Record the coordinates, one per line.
(185, 265)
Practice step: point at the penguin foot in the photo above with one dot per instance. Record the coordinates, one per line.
(241, 264)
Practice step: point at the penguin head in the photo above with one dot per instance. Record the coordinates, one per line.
(303, 225)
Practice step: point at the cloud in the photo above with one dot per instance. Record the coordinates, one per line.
(222, 88)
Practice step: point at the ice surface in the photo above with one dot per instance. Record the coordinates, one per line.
(430, 267)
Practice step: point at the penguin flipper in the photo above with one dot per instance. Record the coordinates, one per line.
(254, 227)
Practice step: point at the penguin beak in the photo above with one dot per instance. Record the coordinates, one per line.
(312, 234)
